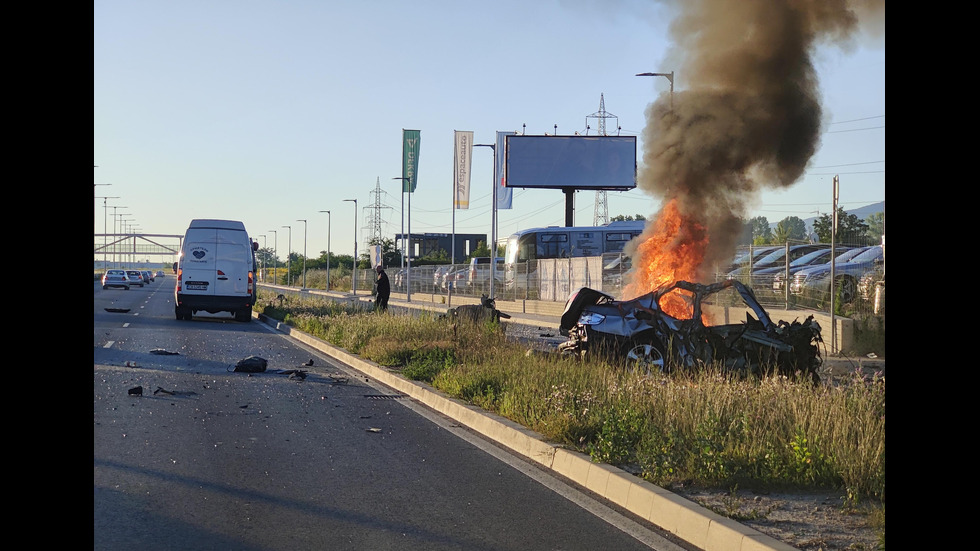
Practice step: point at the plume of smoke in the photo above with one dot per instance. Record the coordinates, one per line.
(749, 113)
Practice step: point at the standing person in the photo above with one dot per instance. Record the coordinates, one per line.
(384, 290)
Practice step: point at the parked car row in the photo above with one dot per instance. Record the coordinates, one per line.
(815, 258)
(119, 278)
(772, 261)
(846, 275)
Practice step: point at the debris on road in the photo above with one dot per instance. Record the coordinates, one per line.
(117, 310)
(162, 352)
(161, 390)
(293, 373)
(136, 391)
(251, 364)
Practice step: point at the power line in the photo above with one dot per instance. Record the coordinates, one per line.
(861, 119)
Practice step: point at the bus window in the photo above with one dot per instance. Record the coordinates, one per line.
(615, 241)
(586, 243)
(552, 245)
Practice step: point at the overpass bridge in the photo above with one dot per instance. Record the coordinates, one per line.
(113, 250)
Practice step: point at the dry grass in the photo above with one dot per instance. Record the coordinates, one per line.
(695, 427)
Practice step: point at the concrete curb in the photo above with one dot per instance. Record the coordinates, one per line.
(684, 518)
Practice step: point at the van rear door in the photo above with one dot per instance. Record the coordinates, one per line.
(232, 264)
(198, 264)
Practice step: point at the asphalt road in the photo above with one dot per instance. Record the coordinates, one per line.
(208, 458)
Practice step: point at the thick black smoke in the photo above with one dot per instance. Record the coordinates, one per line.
(746, 113)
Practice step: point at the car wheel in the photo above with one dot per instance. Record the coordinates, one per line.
(104, 287)
(245, 314)
(646, 356)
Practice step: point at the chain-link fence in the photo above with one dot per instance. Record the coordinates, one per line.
(791, 276)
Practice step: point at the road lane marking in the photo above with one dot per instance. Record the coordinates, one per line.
(108, 344)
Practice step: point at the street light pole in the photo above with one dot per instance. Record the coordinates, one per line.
(289, 256)
(105, 231)
(304, 252)
(124, 223)
(115, 243)
(328, 249)
(275, 257)
(353, 277)
(406, 245)
(94, 223)
(669, 76)
(262, 269)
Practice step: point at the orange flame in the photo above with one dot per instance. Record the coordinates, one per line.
(673, 249)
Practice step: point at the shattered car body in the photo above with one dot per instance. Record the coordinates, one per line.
(643, 334)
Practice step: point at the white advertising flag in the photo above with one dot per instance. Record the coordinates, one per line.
(461, 175)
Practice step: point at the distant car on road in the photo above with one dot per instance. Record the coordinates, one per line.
(147, 276)
(135, 277)
(160, 273)
(115, 279)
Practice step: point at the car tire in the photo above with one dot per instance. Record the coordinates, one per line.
(244, 315)
(104, 287)
(126, 287)
(646, 355)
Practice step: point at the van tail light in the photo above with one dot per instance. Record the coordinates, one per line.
(250, 278)
(180, 276)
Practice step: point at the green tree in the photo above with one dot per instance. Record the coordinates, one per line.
(876, 226)
(389, 254)
(761, 232)
(791, 227)
(480, 250)
(265, 256)
(622, 218)
(437, 256)
(850, 228)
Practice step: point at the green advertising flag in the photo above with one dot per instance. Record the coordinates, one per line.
(410, 159)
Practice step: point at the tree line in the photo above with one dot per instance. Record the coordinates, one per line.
(850, 229)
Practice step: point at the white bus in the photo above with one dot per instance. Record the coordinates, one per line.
(526, 250)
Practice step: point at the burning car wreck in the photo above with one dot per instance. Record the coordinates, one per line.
(668, 329)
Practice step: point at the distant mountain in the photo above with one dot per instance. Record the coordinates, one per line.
(861, 212)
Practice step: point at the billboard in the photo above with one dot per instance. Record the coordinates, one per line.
(579, 162)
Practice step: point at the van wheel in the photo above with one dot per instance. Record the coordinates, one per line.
(182, 313)
(245, 314)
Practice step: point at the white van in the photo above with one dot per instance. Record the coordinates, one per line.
(216, 270)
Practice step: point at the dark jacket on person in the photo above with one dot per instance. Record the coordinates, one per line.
(383, 290)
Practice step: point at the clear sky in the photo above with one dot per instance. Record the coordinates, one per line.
(270, 112)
